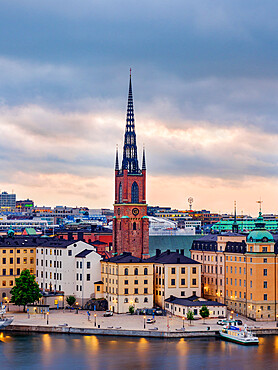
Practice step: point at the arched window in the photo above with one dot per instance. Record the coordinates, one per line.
(136, 271)
(134, 225)
(145, 299)
(145, 271)
(126, 300)
(120, 193)
(126, 271)
(136, 300)
(135, 193)
(3, 295)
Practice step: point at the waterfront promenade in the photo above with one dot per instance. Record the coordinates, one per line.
(125, 325)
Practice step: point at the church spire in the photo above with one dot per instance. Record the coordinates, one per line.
(130, 161)
(235, 224)
(117, 159)
(144, 160)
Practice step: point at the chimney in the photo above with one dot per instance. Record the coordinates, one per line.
(157, 252)
(80, 235)
(182, 252)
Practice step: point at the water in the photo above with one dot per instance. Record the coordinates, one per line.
(45, 351)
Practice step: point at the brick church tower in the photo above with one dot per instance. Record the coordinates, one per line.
(130, 222)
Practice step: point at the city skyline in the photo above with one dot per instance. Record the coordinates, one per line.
(205, 91)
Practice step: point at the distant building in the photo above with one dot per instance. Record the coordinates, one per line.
(7, 200)
(24, 205)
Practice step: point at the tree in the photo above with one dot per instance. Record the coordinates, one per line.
(26, 290)
(71, 300)
(131, 310)
(190, 316)
(204, 312)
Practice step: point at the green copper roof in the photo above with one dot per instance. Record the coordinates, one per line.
(260, 234)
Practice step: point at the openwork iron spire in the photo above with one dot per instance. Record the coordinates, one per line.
(144, 160)
(117, 159)
(130, 161)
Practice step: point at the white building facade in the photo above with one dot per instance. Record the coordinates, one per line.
(71, 267)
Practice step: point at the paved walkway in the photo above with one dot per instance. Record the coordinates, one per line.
(124, 321)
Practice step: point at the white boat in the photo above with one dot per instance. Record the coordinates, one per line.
(5, 321)
(238, 335)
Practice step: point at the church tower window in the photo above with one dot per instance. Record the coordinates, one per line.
(135, 193)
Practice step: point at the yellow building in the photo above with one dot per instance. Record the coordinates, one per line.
(127, 281)
(209, 251)
(249, 279)
(175, 275)
(16, 254)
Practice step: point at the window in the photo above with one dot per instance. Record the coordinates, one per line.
(126, 282)
(134, 225)
(145, 271)
(11, 271)
(98, 288)
(120, 193)
(126, 271)
(194, 281)
(265, 260)
(11, 260)
(135, 282)
(251, 284)
(77, 264)
(173, 281)
(264, 249)
(145, 281)
(4, 261)
(265, 284)
(173, 270)
(145, 290)
(135, 290)
(18, 271)
(126, 300)
(194, 270)
(182, 281)
(195, 311)
(134, 193)
(126, 291)
(265, 272)
(136, 271)
(265, 297)
(183, 270)
(69, 253)
(145, 299)
(231, 269)
(88, 265)
(88, 277)
(80, 276)
(240, 270)
(231, 281)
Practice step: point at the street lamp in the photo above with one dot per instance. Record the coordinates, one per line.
(95, 315)
(183, 322)
(144, 322)
(47, 318)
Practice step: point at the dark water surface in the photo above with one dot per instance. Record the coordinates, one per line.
(45, 351)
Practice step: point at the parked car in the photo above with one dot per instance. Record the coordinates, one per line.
(108, 313)
(150, 321)
(158, 312)
(222, 322)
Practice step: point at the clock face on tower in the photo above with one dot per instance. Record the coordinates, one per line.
(135, 211)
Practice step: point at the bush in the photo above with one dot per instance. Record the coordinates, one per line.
(71, 300)
(131, 310)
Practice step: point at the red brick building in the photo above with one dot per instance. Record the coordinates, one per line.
(130, 222)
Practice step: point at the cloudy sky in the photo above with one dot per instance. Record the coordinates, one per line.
(205, 83)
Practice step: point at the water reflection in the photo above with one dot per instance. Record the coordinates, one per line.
(48, 351)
